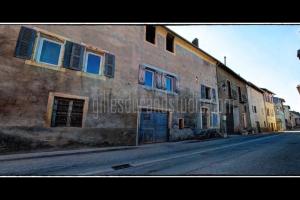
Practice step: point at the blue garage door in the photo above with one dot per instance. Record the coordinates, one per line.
(153, 127)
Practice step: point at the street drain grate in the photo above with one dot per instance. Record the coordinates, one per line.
(123, 166)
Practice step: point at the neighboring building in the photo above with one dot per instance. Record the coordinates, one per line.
(279, 113)
(295, 119)
(76, 80)
(233, 101)
(270, 110)
(287, 116)
(256, 108)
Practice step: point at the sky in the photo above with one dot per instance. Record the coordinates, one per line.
(265, 55)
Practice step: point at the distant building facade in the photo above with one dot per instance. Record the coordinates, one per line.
(256, 108)
(270, 110)
(233, 101)
(279, 113)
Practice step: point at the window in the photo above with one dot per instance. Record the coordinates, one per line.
(181, 123)
(93, 63)
(149, 78)
(67, 112)
(240, 93)
(49, 52)
(229, 89)
(205, 92)
(170, 42)
(150, 34)
(169, 86)
(254, 109)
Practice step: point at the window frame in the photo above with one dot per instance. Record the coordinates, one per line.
(86, 54)
(39, 47)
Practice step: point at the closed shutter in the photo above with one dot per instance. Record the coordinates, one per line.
(25, 43)
(203, 95)
(142, 75)
(109, 69)
(158, 79)
(73, 57)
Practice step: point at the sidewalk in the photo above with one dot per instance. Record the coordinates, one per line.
(22, 156)
(54, 153)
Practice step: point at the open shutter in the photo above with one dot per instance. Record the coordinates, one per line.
(214, 97)
(163, 82)
(158, 76)
(109, 69)
(142, 75)
(73, 57)
(176, 84)
(25, 43)
(203, 95)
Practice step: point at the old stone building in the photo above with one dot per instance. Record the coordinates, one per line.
(233, 101)
(256, 107)
(107, 85)
(270, 110)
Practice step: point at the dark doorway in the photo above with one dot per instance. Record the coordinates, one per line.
(229, 119)
(258, 127)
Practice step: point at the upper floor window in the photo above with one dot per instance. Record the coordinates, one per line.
(149, 78)
(158, 79)
(52, 50)
(208, 93)
(240, 93)
(170, 43)
(49, 51)
(229, 89)
(150, 33)
(93, 63)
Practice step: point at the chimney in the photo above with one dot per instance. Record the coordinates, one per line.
(298, 54)
(298, 88)
(195, 42)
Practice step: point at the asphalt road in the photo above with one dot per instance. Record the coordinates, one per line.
(271, 154)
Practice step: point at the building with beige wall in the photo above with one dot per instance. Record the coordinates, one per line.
(105, 84)
(279, 113)
(256, 108)
(270, 110)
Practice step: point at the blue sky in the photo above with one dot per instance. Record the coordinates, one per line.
(262, 54)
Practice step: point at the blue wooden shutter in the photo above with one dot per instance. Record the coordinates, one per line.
(25, 43)
(73, 57)
(109, 69)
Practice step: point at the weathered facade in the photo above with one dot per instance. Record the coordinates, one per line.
(105, 84)
(295, 119)
(233, 101)
(256, 108)
(270, 110)
(279, 113)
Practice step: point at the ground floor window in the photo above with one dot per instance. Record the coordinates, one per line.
(67, 112)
